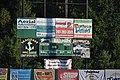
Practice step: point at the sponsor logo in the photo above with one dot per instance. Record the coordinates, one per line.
(29, 47)
(92, 72)
(3, 71)
(14, 75)
(69, 75)
(25, 21)
(82, 28)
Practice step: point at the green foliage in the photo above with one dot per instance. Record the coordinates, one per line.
(10, 55)
(4, 17)
(77, 63)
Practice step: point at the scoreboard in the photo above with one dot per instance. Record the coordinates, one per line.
(55, 49)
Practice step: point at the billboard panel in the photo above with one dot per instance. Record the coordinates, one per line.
(29, 47)
(112, 74)
(81, 48)
(82, 28)
(57, 63)
(42, 74)
(91, 75)
(45, 27)
(47, 47)
(64, 28)
(26, 28)
(67, 74)
(3, 73)
(20, 74)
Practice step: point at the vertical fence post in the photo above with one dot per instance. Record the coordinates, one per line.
(45, 8)
(66, 8)
(23, 15)
(86, 65)
(87, 9)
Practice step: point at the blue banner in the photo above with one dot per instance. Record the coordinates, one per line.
(20, 74)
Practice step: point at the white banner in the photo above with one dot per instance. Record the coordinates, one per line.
(57, 64)
(112, 74)
(82, 28)
(26, 23)
(91, 74)
(81, 48)
(61, 40)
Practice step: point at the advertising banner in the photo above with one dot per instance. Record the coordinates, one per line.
(26, 28)
(29, 47)
(68, 75)
(42, 74)
(3, 73)
(112, 74)
(82, 28)
(45, 27)
(61, 40)
(81, 48)
(64, 28)
(20, 74)
(47, 47)
(91, 75)
(57, 63)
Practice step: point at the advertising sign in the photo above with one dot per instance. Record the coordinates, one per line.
(112, 74)
(26, 28)
(45, 27)
(42, 74)
(91, 75)
(64, 28)
(81, 48)
(67, 74)
(83, 28)
(61, 40)
(3, 73)
(47, 47)
(29, 47)
(57, 63)
(20, 74)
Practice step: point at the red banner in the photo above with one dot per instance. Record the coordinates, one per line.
(64, 28)
(67, 74)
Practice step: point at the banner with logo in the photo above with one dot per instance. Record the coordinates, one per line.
(68, 75)
(26, 28)
(3, 73)
(55, 47)
(112, 74)
(64, 28)
(42, 74)
(82, 28)
(81, 48)
(45, 27)
(20, 74)
(57, 63)
(91, 75)
(29, 47)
